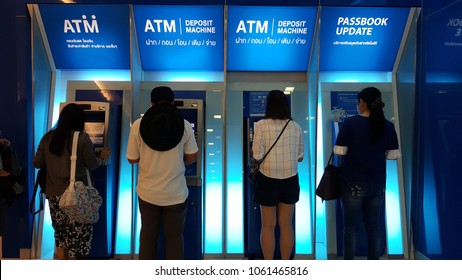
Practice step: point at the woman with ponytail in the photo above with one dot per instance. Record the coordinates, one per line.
(366, 141)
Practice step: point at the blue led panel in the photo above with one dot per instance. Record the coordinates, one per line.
(370, 3)
(445, 45)
(360, 39)
(270, 38)
(180, 37)
(88, 36)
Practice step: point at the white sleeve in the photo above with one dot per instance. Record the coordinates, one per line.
(392, 154)
(190, 145)
(340, 150)
(133, 146)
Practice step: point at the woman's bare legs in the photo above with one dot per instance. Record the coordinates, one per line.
(267, 236)
(286, 240)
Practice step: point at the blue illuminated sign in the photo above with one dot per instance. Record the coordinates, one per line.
(360, 39)
(180, 37)
(88, 36)
(445, 44)
(270, 38)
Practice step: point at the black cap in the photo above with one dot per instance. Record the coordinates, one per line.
(162, 94)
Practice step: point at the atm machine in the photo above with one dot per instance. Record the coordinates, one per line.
(193, 112)
(101, 125)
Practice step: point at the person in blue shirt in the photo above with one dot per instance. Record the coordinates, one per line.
(366, 141)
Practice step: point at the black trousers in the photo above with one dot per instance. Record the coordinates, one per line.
(172, 218)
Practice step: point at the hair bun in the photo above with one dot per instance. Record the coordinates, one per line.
(377, 104)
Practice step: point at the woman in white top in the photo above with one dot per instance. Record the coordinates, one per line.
(277, 187)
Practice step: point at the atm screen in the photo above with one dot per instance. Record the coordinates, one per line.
(94, 126)
(257, 103)
(191, 116)
(96, 133)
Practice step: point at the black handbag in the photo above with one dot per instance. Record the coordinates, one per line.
(252, 176)
(329, 186)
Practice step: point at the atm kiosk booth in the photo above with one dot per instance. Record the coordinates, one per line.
(268, 48)
(182, 47)
(362, 47)
(66, 63)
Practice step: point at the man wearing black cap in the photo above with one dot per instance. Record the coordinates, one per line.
(163, 143)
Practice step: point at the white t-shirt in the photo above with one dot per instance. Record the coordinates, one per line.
(161, 179)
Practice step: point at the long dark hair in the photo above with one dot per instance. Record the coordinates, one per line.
(71, 118)
(277, 106)
(373, 99)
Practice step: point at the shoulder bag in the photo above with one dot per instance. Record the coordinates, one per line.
(80, 202)
(329, 186)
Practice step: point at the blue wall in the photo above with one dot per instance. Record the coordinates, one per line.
(14, 118)
(436, 222)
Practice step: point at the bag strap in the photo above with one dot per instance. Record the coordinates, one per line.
(261, 160)
(75, 141)
(330, 161)
(89, 178)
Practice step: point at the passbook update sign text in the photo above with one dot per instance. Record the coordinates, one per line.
(361, 39)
